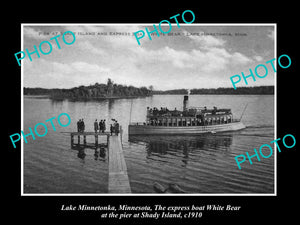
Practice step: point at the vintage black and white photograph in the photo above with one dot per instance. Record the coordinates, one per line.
(137, 109)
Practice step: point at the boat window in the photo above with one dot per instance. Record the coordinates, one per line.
(208, 121)
(188, 122)
(193, 122)
(174, 121)
(183, 122)
(214, 120)
(164, 122)
(170, 122)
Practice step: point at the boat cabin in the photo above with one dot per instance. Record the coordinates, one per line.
(188, 117)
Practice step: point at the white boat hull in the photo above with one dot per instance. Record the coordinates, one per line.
(148, 129)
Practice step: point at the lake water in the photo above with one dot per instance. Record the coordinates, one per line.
(197, 164)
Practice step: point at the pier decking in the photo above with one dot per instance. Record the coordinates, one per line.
(118, 181)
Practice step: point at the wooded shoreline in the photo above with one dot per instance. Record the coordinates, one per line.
(117, 91)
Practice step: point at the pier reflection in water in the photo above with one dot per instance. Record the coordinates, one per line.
(100, 151)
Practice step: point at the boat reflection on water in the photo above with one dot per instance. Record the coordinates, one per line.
(176, 144)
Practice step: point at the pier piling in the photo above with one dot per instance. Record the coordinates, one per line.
(118, 181)
(72, 140)
(96, 140)
(84, 139)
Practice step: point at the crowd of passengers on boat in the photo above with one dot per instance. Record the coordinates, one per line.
(190, 117)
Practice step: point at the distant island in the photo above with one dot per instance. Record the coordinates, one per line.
(260, 90)
(111, 90)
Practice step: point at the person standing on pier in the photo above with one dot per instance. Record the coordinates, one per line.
(78, 125)
(103, 126)
(82, 125)
(111, 129)
(117, 128)
(96, 126)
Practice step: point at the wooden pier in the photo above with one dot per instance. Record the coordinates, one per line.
(118, 181)
(84, 134)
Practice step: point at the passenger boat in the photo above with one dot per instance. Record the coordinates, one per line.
(191, 120)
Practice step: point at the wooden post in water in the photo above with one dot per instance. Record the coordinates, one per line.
(108, 140)
(85, 134)
(72, 140)
(121, 134)
(96, 140)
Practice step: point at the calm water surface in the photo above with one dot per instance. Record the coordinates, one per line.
(197, 164)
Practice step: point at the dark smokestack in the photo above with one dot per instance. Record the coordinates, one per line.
(185, 102)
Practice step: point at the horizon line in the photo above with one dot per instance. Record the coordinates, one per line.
(248, 86)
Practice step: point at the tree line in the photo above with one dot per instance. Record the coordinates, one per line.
(108, 90)
(113, 90)
(260, 90)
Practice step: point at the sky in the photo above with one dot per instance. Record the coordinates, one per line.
(192, 56)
